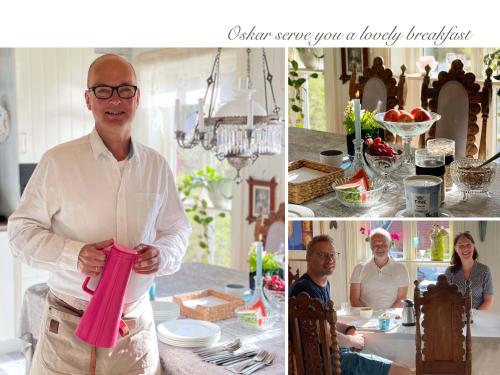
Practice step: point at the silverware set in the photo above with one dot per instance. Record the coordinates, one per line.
(245, 363)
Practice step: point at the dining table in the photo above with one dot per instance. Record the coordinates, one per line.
(398, 343)
(192, 276)
(306, 144)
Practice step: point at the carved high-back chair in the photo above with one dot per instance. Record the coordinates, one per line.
(292, 277)
(309, 325)
(378, 84)
(445, 349)
(457, 97)
(271, 230)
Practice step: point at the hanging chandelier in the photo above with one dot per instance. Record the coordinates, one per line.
(240, 130)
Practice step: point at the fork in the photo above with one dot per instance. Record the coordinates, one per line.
(230, 347)
(258, 358)
(267, 362)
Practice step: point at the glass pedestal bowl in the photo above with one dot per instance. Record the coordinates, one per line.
(407, 130)
(471, 180)
(386, 165)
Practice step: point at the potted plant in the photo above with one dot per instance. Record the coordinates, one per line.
(191, 189)
(369, 126)
(269, 265)
(492, 60)
(296, 91)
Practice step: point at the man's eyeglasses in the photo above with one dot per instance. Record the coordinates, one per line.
(324, 256)
(106, 92)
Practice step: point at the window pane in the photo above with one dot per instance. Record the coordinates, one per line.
(427, 275)
(316, 96)
(444, 57)
(422, 242)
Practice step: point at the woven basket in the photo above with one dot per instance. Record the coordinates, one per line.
(304, 191)
(212, 313)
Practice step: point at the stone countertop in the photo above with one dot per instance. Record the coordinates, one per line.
(306, 144)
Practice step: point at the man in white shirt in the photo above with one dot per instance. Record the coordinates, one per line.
(380, 283)
(83, 196)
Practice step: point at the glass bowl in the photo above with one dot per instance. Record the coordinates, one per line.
(472, 180)
(407, 129)
(276, 298)
(386, 164)
(254, 322)
(357, 199)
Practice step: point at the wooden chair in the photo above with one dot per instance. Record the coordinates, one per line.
(292, 277)
(272, 226)
(443, 307)
(378, 84)
(309, 325)
(457, 97)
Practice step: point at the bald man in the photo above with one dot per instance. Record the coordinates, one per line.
(83, 196)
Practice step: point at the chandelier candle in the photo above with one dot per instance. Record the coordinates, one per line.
(178, 124)
(250, 114)
(201, 119)
(258, 274)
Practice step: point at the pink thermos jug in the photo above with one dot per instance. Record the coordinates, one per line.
(101, 321)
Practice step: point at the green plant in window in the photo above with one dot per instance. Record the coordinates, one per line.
(492, 60)
(297, 91)
(191, 189)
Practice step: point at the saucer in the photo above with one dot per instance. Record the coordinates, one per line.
(406, 213)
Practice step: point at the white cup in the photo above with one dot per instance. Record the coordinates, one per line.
(331, 157)
(345, 307)
(236, 290)
(365, 312)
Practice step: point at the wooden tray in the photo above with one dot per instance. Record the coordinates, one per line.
(209, 313)
(307, 190)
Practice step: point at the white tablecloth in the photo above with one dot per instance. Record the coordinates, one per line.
(398, 344)
(174, 360)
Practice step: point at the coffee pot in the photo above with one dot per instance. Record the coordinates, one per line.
(408, 318)
(101, 322)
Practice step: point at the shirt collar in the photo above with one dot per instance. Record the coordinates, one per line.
(377, 267)
(98, 146)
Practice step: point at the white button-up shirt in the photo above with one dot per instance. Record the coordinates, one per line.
(77, 195)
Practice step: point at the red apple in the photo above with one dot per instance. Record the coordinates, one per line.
(415, 110)
(405, 116)
(391, 115)
(422, 115)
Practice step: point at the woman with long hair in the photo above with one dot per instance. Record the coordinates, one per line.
(464, 266)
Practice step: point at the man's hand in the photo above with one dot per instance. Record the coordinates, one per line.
(357, 341)
(148, 261)
(92, 258)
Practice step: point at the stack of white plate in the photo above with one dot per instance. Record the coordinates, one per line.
(164, 311)
(188, 333)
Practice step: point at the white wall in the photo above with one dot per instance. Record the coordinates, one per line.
(7, 290)
(488, 252)
(50, 85)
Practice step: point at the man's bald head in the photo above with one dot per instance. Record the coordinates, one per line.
(109, 58)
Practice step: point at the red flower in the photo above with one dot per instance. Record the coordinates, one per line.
(362, 230)
(395, 236)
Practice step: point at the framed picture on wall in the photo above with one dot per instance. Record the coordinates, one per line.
(348, 56)
(261, 198)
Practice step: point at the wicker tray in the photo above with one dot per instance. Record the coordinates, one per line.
(209, 313)
(307, 190)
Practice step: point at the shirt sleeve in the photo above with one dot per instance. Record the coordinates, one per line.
(404, 277)
(487, 282)
(31, 238)
(356, 274)
(172, 228)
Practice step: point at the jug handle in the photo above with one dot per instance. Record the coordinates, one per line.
(86, 288)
